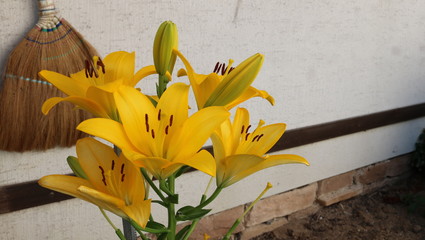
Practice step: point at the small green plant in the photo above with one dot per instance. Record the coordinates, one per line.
(418, 157)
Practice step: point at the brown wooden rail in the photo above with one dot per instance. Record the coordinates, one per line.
(30, 194)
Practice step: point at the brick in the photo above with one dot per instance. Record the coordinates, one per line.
(398, 166)
(282, 205)
(341, 195)
(262, 228)
(335, 183)
(373, 173)
(218, 224)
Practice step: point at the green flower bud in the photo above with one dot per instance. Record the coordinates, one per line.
(166, 40)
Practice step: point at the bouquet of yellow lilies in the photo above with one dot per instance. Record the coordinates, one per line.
(155, 140)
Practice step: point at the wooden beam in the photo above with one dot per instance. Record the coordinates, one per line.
(30, 194)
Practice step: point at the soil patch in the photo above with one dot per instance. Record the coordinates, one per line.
(393, 212)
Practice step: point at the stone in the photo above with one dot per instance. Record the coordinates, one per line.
(335, 183)
(398, 166)
(282, 205)
(341, 195)
(373, 173)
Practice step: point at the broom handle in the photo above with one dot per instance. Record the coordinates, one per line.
(48, 14)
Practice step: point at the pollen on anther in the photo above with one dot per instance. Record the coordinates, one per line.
(243, 128)
(247, 129)
(166, 130)
(216, 68)
(246, 137)
(255, 138)
(122, 177)
(260, 137)
(113, 165)
(122, 168)
(171, 120)
(153, 133)
(159, 115)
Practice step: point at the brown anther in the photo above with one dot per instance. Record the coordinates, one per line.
(153, 134)
(113, 165)
(217, 67)
(231, 69)
(243, 128)
(87, 69)
(122, 168)
(103, 175)
(255, 138)
(102, 65)
(247, 129)
(122, 177)
(171, 120)
(166, 130)
(147, 122)
(260, 137)
(246, 137)
(159, 115)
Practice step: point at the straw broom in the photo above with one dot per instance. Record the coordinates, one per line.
(53, 44)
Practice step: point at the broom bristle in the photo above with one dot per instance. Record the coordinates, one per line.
(22, 125)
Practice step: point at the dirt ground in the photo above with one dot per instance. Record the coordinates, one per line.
(393, 212)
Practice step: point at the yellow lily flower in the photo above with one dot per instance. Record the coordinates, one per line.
(113, 183)
(240, 153)
(161, 139)
(229, 89)
(91, 89)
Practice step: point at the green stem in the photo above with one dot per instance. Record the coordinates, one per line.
(202, 204)
(162, 85)
(239, 220)
(172, 222)
(152, 184)
(117, 230)
(211, 198)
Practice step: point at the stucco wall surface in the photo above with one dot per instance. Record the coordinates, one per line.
(324, 61)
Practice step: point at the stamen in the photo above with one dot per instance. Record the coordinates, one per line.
(231, 69)
(103, 175)
(102, 65)
(122, 177)
(224, 69)
(122, 168)
(217, 67)
(166, 130)
(153, 134)
(113, 165)
(87, 69)
(255, 138)
(260, 137)
(171, 120)
(247, 129)
(147, 122)
(159, 115)
(246, 137)
(243, 128)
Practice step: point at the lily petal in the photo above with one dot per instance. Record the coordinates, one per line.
(71, 87)
(82, 102)
(120, 65)
(65, 184)
(142, 73)
(195, 132)
(203, 161)
(107, 129)
(269, 162)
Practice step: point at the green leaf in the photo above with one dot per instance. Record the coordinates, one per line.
(180, 235)
(155, 225)
(150, 229)
(162, 236)
(75, 167)
(190, 213)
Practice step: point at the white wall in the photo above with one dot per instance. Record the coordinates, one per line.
(324, 61)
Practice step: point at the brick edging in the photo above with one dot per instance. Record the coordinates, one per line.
(274, 211)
